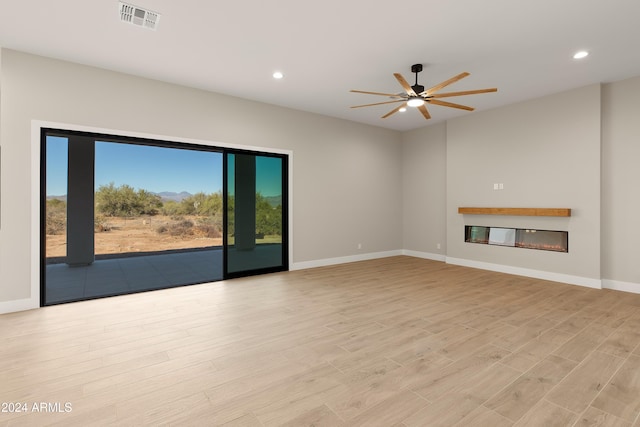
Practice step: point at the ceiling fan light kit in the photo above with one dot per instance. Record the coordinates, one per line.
(416, 96)
(415, 101)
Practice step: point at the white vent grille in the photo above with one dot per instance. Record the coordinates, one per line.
(138, 16)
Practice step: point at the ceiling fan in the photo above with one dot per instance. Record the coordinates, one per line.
(416, 95)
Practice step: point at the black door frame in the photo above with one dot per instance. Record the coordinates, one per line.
(48, 131)
(285, 215)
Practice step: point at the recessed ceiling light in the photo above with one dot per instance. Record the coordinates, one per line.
(278, 75)
(581, 54)
(402, 109)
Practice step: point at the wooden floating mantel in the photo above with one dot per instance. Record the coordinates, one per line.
(516, 211)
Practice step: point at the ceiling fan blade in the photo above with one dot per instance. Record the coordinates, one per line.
(464, 92)
(395, 110)
(377, 103)
(449, 104)
(424, 111)
(405, 85)
(393, 95)
(444, 83)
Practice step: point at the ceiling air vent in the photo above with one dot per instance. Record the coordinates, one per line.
(138, 16)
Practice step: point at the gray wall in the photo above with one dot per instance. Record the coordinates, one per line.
(621, 181)
(346, 175)
(577, 149)
(424, 154)
(546, 152)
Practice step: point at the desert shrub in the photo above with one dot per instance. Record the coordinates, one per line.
(150, 203)
(126, 201)
(213, 221)
(205, 230)
(170, 208)
(202, 204)
(56, 223)
(100, 224)
(180, 229)
(56, 217)
(268, 217)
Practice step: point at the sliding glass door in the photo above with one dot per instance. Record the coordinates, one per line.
(123, 215)
(256, 215)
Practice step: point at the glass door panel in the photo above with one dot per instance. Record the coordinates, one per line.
(123, 217)
(256, 237)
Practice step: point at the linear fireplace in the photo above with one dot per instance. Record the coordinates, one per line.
(546, 240)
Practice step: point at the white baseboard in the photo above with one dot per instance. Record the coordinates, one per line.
(424, 255)
(343, 260)
(617, 285)
(18, 305)
(527, 272)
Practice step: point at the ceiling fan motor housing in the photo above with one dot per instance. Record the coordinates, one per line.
(416, 68)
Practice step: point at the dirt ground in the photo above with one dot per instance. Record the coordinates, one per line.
(128, 235)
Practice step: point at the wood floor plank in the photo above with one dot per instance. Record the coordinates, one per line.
(579, 321)
(292, 406)
(583, 384)
(462, 347)
(617, 313)
(403, 341)
(621, 397)
(621, 342)
(536, 349)
(546, 414)
(321, 416)
(519, 397)
(277, 401)
(390, 411)
(367, 387)
(593, 417)
(483, 417)
(432, 342)
(527, 332)
(437, 383)
(583, 343)
(247, 420)
(457, 404)
(171, 412)
(412, 374)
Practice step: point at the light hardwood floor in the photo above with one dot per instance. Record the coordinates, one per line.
(392, 342)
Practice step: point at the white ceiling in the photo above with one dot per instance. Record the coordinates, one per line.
(325, 48)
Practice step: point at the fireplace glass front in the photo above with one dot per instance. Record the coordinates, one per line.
(546, 240)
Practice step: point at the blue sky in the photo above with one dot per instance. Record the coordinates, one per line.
(156, 169)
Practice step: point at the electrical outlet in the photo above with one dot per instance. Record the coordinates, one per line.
(438, 246)
(359, 245)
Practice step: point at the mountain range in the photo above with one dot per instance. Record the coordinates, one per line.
(171, 195)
